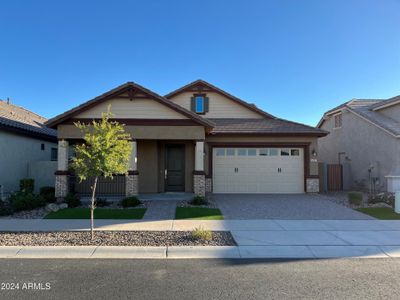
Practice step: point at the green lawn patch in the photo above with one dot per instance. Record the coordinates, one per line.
(382, 213)
(198, 213)
(100, 213)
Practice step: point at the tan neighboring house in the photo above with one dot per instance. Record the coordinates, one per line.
(365, 139)
(196, 139)
(27, 148)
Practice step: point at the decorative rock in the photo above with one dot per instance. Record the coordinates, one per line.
(380, 204)
(52, 207)
(62, 205)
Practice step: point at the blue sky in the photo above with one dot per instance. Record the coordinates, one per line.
(294, 59)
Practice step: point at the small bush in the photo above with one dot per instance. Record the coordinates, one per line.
(199, 200)
(26, 201)
(72, 200)
(5, 208)
(27, 185)
(199, 233)
(130, 202)
(355, 198)
(101, 202)
(47, 192)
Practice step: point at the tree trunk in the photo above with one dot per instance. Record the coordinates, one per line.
(92, 208)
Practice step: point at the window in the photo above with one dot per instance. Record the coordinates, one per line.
(221, 152)
(230, 152)
(294, 152)
(338, 120)
(199, 104)
(251, 152)
(263, 152)
(53, 154)
(42, 147)
(242, 152)
(285, 152)
(273, 152)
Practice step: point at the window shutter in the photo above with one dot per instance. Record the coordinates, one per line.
(206, 104)
(192, 104)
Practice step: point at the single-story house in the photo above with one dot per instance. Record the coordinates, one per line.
(27, 148)
(365, 139)
(198, 139)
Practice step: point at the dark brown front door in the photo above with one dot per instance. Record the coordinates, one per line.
(175, 168)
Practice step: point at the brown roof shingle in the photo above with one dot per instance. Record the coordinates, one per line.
(264, 127)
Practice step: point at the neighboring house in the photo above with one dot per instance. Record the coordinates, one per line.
(27, 147)
(198, 139)
(365, 138)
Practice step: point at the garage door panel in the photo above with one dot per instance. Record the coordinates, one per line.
(258, 174)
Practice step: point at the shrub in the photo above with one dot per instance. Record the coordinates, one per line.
(199, 200)
(199, 233)
(26, 201)
(131, 201)
(355, 198)
(5, 208)
(27, 185)
(47, 192)
(72, 200)
(101, 202)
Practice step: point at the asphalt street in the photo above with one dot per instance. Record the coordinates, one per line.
(200, 279)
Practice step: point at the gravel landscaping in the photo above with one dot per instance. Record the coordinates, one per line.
(114, 238)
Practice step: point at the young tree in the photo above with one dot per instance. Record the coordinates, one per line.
(105, 152)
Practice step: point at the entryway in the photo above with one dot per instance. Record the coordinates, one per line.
(174, 168)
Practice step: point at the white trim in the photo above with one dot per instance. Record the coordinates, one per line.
(386, 105)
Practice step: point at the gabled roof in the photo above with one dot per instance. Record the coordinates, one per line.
(204, 86)
(129, 87)
(20, 120)
(366, 109)
(264, 127)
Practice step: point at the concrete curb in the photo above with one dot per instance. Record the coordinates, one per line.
(199, 252)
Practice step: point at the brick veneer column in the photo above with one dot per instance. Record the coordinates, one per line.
(199, 178)
(61, 184)
(132, 179)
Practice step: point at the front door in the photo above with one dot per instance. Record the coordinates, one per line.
(175, 168)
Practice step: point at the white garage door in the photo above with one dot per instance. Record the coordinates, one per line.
(258, 170)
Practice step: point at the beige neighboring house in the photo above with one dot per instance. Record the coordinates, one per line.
(27, 148)
(196, 139)
(365, 138)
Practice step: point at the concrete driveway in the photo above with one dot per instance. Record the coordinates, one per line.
(283, 207)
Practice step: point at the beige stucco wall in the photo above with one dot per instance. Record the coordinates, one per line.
(312, 141)
(147, 160)
(391, 112)
(219, 106)
(144, 132)
(365, 146)
(135, 109)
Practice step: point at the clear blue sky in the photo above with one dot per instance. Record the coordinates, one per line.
(294, 59)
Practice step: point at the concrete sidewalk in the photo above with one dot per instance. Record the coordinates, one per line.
(255, 239)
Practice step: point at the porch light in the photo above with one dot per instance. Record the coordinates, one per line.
(314, 153)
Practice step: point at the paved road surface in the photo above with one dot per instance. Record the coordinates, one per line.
(204, 279)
